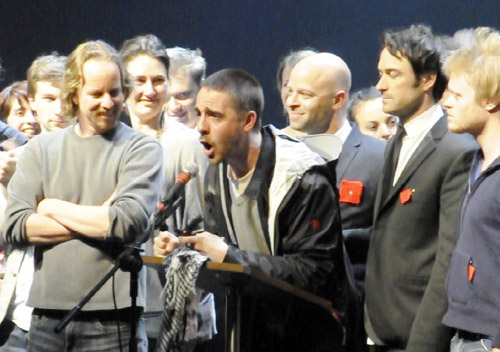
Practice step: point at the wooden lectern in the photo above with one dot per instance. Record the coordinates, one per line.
(236, 282)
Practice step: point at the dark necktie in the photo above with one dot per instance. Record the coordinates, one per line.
(392, 160)
(398, 142)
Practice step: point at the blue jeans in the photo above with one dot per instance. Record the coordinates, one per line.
(82, 336)
(17, 340)
(462, 345)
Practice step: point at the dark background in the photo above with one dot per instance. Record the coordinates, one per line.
(252, 35)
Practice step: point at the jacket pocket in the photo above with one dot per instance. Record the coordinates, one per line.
(458, 286)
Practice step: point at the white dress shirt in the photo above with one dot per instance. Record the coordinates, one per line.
(416, 129)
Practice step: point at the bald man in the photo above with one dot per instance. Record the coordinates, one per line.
(317, 103)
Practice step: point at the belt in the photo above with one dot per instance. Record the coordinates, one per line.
(471, 336)
(123, 314)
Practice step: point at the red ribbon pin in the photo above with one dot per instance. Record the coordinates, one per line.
(405, 195)
(471, 270)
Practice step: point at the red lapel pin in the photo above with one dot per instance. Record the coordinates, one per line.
(405, 195)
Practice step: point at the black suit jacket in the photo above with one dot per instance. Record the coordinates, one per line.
(412, 241)
(361, 159)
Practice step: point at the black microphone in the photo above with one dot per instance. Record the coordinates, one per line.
(167, 205)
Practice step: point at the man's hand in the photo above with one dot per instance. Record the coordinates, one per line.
(44, 230)
(8, 161)
(208, 244)
(495, 349)
(10, 144)
(165, 243)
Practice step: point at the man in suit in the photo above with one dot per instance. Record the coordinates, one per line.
(318, 91)
(418, 199)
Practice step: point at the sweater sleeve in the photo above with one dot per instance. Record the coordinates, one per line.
(138, 189)
(25, 191)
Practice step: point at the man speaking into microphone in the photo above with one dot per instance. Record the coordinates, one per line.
(270, 205)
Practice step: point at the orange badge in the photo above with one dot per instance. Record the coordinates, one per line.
(471, 270)
(315, 224)
(350, 192)
(405, 195)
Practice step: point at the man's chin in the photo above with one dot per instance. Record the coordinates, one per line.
(453, 127)
(106, 123)
(213, 160)
(181, 119)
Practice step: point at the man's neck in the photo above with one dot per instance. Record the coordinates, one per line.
(150, 126)
(241, 164)
(427, 103)
(192, 123)
(85, 130)
(293, 132)
(488, 141)
(336, 123)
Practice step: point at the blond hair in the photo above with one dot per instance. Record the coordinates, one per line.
(72, 79)
(479, 63)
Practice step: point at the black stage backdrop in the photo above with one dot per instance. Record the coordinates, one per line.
(249, 34)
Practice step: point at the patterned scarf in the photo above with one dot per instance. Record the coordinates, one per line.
(182, 267)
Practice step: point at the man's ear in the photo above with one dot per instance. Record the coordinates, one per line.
(340, 100)
(491, 105)
(428, 81)
(250, 121)
(74, 98)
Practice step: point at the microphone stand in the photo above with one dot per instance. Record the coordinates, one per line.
(129, 261)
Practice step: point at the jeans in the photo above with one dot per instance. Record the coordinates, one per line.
(462, 345)
(17, 339)
(83, 336)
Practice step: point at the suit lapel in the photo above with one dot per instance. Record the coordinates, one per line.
(425, 148)
(381, 190)
(349, 151)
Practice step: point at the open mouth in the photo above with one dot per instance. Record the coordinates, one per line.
(208, 148)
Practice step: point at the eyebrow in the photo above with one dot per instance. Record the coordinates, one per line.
(453, 92)
(214, 112)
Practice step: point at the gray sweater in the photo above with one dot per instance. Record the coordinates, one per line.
(84, 171)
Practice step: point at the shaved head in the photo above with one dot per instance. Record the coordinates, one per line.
(318, 94)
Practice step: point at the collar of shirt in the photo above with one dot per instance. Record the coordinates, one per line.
(416, 129)
(423, 123)
(344, 131)
(239, 185)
